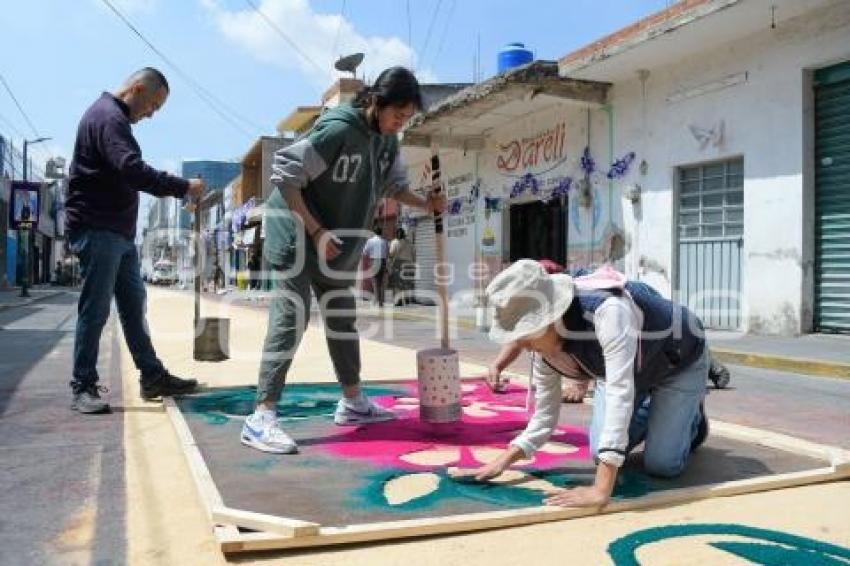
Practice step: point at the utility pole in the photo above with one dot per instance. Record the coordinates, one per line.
(24, 229)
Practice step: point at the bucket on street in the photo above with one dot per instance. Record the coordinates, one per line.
(212, 339)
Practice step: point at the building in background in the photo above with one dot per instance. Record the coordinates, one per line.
(738, 197)
(47, 242)
(167, 233)
(249, 198)
(160, 235)
(217, 174)
(214, 230)
(701, 149)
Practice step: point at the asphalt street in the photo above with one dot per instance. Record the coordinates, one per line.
(62, 474)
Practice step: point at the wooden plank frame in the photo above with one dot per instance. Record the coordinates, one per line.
(272, 533)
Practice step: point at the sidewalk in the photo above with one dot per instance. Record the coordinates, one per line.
(11, 297)
(826, 355)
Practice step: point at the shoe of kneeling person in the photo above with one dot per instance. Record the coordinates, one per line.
(262, 431)
(361, 411)
(166, 384)
(719, 374)
(702, 429)
(87, 400)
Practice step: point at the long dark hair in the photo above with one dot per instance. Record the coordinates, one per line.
(396, 86)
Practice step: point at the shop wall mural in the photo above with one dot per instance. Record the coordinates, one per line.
(536, 161)
(543, 158)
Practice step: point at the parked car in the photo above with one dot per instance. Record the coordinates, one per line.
(164, 274)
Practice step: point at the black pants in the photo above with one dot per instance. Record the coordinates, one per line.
(379, 281)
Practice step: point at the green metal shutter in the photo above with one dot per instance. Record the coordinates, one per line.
(832, 199)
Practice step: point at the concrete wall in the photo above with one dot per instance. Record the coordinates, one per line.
(767, 120)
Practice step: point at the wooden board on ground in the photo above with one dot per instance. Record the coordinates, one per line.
(390, 480)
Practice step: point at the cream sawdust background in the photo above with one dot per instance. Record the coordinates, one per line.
(167, 525)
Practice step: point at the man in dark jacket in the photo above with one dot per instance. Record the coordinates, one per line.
(107, 172)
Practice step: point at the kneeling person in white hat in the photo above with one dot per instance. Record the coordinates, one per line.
(647, 355)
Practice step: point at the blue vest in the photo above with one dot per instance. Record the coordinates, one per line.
(672, 337)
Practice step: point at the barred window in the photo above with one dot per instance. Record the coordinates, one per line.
(711, 200)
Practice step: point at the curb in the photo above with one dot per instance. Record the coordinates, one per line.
(463, 323)
(804, 366)
(7, 306)
(783, 363)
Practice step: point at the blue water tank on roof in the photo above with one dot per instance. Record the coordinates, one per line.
(513, 55)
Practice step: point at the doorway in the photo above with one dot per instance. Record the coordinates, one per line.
(538, 230)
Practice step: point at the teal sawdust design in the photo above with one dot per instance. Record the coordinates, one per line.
(307, 409)
(298, 402)
(448, 489)
(632, 483)
(768, 547)
(262, 465)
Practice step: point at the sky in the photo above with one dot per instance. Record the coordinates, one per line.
(235, 71)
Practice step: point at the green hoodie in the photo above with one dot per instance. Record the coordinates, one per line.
(343, 168)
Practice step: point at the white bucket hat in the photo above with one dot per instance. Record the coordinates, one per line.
(526, 300)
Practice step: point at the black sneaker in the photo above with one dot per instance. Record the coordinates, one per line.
(165, 385)
(702, 429)
(87, 400)
(719, 374)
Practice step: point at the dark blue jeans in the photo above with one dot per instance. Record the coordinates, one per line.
(109, 264)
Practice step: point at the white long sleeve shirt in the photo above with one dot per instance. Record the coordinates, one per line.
(618, 323)
(376, 248)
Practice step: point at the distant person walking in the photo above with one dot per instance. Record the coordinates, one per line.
(254, 265)
(401, 268)
(107, 172)
(377, 250)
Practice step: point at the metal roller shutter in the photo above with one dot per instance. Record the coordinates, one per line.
(832, 199)
(425, 247)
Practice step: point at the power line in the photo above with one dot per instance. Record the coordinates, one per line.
(338, 28)
(12, 126)
(11, 158)
(410, 33)
(286, 38)
(218, 106)
(223, 110)
(39, 149)
(430, 29)
(18, 104)
(445, 29)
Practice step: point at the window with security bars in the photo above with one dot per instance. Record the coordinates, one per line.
(711, 200)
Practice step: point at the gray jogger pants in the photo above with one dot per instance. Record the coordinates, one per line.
(289, 314)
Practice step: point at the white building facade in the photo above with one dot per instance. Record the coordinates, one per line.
(722, 112)
(717, 167)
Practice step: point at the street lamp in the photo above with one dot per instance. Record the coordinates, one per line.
(23, 229)
(28, 143)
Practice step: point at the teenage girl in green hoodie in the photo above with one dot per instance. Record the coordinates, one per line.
(329, 184)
